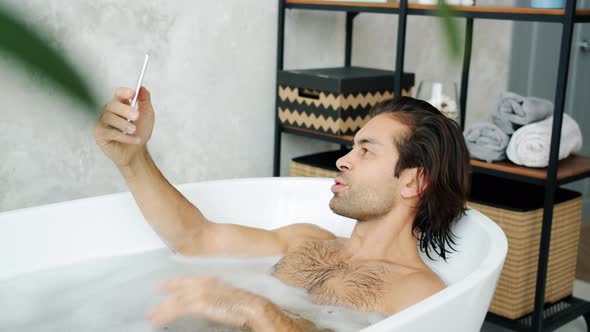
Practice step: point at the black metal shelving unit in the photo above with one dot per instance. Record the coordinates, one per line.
(546, 316)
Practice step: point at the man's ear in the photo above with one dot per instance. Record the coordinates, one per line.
(415, 182)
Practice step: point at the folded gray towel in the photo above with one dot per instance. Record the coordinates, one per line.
(513, 111)
(486, 141)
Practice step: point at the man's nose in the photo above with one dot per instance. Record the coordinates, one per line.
(343, 163)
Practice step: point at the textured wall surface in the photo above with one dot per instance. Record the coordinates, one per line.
(211, 75)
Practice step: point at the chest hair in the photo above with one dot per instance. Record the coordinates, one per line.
(320, 268)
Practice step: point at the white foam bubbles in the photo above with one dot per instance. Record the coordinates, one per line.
(117, 294)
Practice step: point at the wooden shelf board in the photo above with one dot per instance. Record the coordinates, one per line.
(569, 167)
(499, 10)
(344, 3)
(472, 9)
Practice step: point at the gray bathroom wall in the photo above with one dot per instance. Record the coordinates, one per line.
(211, 75)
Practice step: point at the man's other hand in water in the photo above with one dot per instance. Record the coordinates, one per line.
(210, 298)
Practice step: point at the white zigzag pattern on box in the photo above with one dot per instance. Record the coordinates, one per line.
(329, 100)
(320, 122)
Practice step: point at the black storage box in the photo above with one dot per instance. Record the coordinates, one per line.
(334, 100)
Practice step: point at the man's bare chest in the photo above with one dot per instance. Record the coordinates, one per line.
(330, 278)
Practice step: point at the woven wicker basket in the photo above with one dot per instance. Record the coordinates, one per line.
(515, 293)
(321, 165)
(298, 169)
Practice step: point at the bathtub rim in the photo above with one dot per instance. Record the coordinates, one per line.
(488, 225)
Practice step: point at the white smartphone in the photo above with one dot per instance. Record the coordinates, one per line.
(139, 80)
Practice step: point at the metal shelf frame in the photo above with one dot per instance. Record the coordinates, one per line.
(564, 310)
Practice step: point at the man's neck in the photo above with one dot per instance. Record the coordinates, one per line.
(389, 238)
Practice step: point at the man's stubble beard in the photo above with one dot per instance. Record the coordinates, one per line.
(361, 205)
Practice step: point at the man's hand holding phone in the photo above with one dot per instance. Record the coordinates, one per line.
(122, 131)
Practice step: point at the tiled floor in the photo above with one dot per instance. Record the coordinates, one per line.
(581, 290)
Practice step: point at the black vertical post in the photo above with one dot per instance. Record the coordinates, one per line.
(348, 46)
(551, 183)
(466, 66)
(276, 170)
(401, 46)
(348, 49)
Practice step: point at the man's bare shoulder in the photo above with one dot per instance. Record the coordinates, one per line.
(411, 288)
(297, 234)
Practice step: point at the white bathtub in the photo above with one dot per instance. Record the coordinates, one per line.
(59, 234)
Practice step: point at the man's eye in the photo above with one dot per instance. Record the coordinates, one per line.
(364, 151)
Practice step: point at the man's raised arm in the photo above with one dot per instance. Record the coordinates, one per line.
(176, 220)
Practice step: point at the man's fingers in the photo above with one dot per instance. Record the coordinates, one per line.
(175, 284)
(107, 134)
(124, 93)
(169, 310)
(144, 95)
(117, 122)
(123, 110)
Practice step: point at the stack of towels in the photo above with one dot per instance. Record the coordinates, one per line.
(520, 128)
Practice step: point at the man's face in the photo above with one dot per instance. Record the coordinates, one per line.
(366, 187)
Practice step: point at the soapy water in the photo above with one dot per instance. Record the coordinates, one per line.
(118, 293)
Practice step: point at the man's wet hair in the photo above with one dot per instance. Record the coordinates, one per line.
(434, 145)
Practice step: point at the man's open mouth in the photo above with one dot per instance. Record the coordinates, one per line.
(338, 185)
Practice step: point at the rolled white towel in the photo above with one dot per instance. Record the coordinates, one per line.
(529, 145)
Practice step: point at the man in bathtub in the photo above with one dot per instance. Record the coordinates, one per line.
(405, 182)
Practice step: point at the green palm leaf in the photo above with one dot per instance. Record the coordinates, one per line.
(450, 30)
(25, 45)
